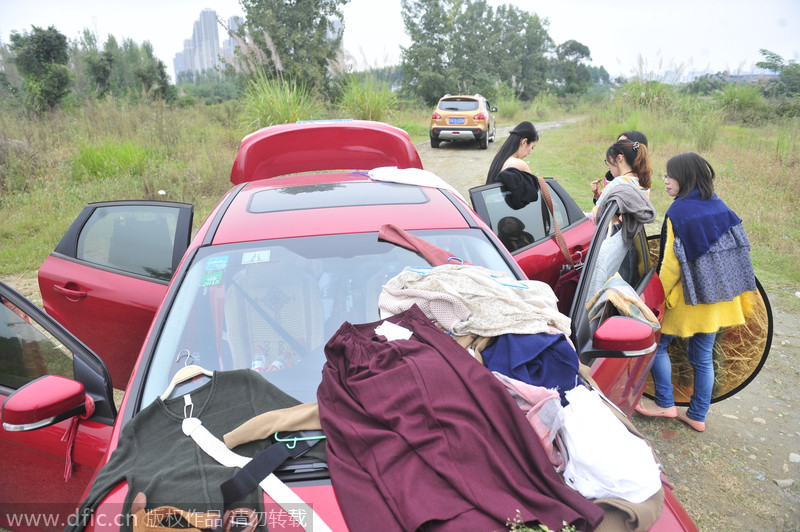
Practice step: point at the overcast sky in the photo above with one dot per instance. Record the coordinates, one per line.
(647, 36)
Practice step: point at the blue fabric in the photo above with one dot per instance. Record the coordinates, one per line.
(700, 351)
(700, 223)
(546, 360)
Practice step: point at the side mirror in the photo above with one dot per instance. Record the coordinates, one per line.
(494, 109)
(44, 402)
(624, 337)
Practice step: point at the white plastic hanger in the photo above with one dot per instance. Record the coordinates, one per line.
(184, 374)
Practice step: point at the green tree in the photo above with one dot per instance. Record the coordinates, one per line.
(41, 57)
(425, 63)
(706, 84)
(571, 75)
(152, 73)
(520, 53)
(466, 46)
(298, 38)
(599, 75)
(788, 73)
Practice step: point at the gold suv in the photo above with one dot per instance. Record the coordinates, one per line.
(463, 118)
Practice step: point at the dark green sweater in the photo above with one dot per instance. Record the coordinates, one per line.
(155, 457)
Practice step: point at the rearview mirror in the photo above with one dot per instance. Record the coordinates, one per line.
(44, 402)
(621, 336)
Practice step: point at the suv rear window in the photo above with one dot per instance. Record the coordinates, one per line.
(458, 105)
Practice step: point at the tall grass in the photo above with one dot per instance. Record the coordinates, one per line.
(55, 164)
(365, 98)
(268, 101)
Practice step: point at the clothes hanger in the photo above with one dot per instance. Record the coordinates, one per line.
(184, 374)
(296, 439)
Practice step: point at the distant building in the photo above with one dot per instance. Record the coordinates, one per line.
(230, 44)
(202, 52)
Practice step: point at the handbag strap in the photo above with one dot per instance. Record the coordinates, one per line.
(562, 243)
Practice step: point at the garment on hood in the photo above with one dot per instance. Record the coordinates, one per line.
(423, 437)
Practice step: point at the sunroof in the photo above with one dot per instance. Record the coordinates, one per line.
(325, 195)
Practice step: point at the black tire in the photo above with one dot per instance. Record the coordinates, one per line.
(483, 142)
(435, 142)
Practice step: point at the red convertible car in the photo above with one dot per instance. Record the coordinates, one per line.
(288, 254)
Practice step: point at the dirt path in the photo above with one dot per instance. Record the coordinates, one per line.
(743, 472)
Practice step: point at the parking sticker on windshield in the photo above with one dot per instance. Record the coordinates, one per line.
(217, 263)
(212, 278)
(253, 257)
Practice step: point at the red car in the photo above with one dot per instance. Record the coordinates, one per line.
(278, 266)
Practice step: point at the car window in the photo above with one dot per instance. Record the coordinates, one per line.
(271, 306)
(137, 239)
(27, 352)
(458, 105)
(518, 228)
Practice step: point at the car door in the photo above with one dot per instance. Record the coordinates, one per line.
(620, 375)
(109, 273)
(33, 490)
(537, 253)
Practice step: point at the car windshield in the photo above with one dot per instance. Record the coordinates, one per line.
(272, 305)
(458, 105)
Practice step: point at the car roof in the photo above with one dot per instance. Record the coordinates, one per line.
(461, 97)
(333, 203)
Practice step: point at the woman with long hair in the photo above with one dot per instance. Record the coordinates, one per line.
(518, 145)
(633, 136)
(629, 164)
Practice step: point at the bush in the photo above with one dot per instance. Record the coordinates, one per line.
(745, 102)
(648, 94)
(366, 98)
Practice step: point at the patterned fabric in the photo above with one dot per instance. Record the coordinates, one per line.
(722, 273)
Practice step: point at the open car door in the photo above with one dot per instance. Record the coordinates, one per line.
(48, 381)
(528, 232)
(621, 374)
(109, 273)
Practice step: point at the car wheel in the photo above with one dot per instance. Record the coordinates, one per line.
(483, 142)
(493, 137)
(435, 142)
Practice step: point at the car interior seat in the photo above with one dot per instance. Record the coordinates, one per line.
(275, 308)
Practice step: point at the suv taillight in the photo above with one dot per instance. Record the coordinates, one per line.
(479, 116)
(436, 116)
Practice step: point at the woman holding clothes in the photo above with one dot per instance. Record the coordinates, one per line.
(629, 164)
(705, 268)
(519, 144)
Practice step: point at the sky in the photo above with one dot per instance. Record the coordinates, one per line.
(649, 37)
